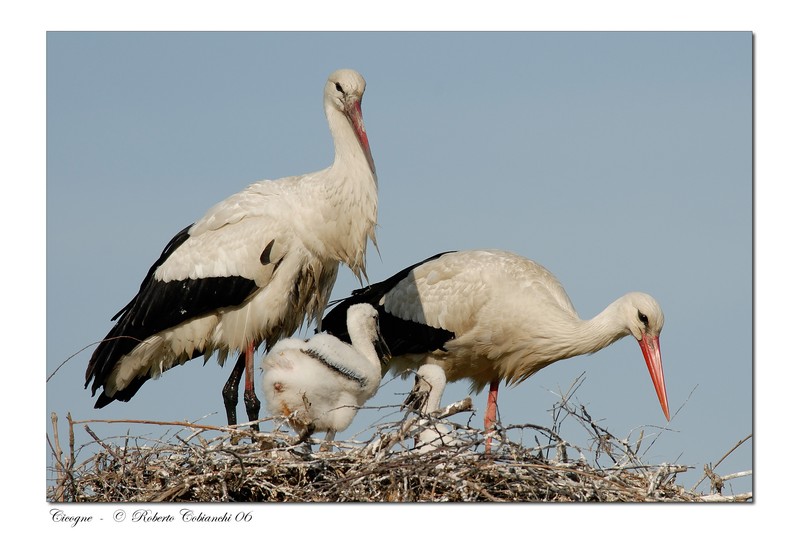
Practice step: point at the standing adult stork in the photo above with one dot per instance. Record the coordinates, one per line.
(252, 270)
(491, 315)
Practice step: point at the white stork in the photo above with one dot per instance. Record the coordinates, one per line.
(320, 383)
(490, 315)
(252, 270)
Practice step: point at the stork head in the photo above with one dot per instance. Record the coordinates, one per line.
(644, 319)
(343, 92)
(362, 322)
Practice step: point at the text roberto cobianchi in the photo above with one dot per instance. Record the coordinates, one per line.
(188, 515)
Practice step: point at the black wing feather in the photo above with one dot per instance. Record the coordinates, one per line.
(158, 306)
(402, 337)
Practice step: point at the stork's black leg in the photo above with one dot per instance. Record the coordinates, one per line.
(251, 402)
(230, 392)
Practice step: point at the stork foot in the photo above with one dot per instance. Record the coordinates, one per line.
(305, 434)
(253, 407)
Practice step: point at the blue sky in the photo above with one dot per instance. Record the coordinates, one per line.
(620, 161)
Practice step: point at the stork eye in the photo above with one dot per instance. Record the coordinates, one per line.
(338, 88)
(643, 318)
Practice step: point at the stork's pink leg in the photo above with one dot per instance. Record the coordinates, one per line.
(251, 403)
(491, 412)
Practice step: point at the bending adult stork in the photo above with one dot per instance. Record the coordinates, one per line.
(252, 270)
(320, 383)
(490, 315)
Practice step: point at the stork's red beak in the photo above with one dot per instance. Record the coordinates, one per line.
(650, 346)
(353, 111)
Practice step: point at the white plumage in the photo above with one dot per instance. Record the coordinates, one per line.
(491, 315)
(253, 269)
(426, 397)
(320, 384)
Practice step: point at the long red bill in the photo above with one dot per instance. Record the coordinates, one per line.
(650, 346)
(353, 111)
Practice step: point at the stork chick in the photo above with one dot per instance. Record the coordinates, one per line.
(320, 383)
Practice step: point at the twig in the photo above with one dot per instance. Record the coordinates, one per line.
(742, 497)
(53, 373)
(107, 448)
(386, 442)
(745, 473)
(60, 468)
(662, 429)
(720, 460)
(229, 429)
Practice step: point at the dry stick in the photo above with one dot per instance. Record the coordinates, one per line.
(662, 429)
(745, 473)
(716, 483)
(61, 475)
(93, 435)
(602, 435)
(743, 497)
(541, 429)
(638, 443)
(656, 480)
(85, 347)
(722, 458)
(71, 463)
(235, 429)
(558, 408)
(238, 458)
(122, 460)
(71, 438)
(385, 442)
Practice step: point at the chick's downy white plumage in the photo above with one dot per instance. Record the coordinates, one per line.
(320, 383)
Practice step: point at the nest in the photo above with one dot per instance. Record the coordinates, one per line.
(192, 462)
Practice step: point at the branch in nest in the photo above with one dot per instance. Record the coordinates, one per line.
(378, 447)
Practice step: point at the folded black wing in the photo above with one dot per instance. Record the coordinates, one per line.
(158, 306)
(403, 337)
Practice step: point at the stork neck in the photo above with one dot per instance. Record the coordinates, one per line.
(363, 344)
(348, 150)
(569, 336)
(433, 402)
(599, 332)
(553, 336)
